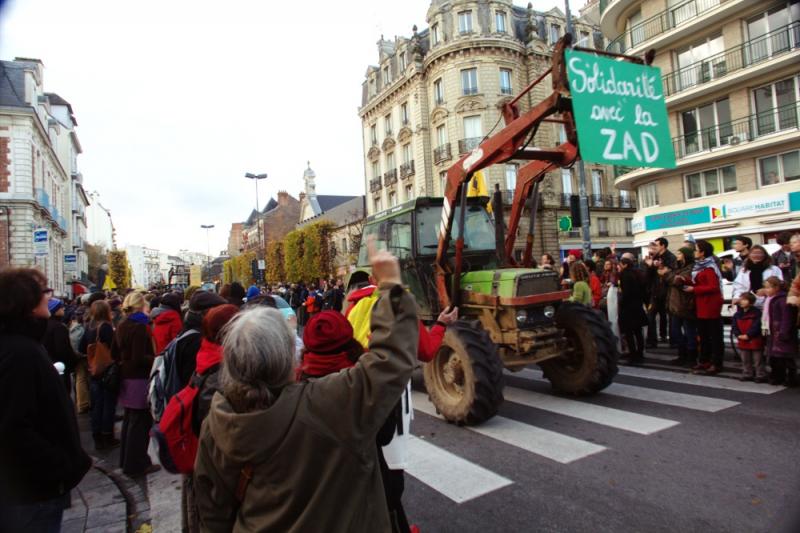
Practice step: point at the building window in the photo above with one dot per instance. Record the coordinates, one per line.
(386, 77)
(500, 21)
(465, 22)
(776, 106)
(442, 181)
(390, 162)
(585, 40)
(407, 154)
(404, 113)
(602, 227)
(635, 28)
(505, 81)
(779, 168)
(648, 195)
(770, 21)
(469, 81)
(706, 127)
(555, 33)
(409, 192)
(376, 170)
(435, 36)
(597, 183)
(377, 203)
(566, 181)
(511, 176)
(472, 127)
(373, 134)
(625, 198)
(392, 199)
(387, 123)
(373, 90)
(694, 64)
(629, 227)
(441, 135)
(711, 182)
(403, 63)
(438, 92)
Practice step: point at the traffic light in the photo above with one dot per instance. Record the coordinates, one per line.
(575, 210)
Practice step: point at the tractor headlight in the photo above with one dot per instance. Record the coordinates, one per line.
(522, 316)
(549, 311)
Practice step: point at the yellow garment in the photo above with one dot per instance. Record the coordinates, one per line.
(477, 188)
(359, 317)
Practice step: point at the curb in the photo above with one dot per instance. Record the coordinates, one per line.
(137, 502)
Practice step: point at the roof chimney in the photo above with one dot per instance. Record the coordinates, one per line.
(283, 198)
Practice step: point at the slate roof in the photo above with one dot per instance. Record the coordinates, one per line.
(341, 214)
(328, 202)
(12, 83)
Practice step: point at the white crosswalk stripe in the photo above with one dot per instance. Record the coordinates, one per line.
(560, 448)
(702, 381)
(454, 477)
(606, 416)
(676, 399)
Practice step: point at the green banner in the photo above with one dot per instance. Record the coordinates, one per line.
(620, 112)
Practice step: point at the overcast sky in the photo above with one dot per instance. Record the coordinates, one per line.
(176, 100)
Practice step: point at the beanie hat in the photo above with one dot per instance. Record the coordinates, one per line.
(54, 304)
(172, 300)
(577, 254)
(253, 291)
(328, 332)
(202, 300)
(216, 319)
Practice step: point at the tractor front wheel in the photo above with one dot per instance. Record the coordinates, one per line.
(465, 379)
(590, 361)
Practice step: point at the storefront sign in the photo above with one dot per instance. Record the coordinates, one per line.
(619, 111)
(70, 263)
(637, 225)
(765, 205)
(41, 242)
(675, 219)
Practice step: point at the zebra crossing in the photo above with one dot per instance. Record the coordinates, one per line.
(461, 480)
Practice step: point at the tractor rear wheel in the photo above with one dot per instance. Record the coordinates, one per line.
(590, 362)
(465, 379)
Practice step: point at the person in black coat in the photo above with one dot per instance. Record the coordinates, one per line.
(41, 457)
(632, 317)
(190, 337)
(56, 341)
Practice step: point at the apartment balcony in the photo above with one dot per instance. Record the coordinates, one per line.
(469, 144)
(738, 131)
(442, 153)
(611, 201)
(407, 170)
(375, 185)
(733, 60)
(42, 198)
(673, 23)
(390, 177)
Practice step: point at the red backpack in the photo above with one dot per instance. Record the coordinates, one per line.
(174, 434)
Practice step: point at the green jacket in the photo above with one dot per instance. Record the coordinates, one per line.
(313, 452)
(581, 293)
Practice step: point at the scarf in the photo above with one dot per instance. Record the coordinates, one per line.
(316, 365)
(139, 318)
(702, 264)
(757, 276)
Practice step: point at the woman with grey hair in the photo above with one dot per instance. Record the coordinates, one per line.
(275, 455)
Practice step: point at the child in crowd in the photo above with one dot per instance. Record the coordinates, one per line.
(746, 327)
(781, 321)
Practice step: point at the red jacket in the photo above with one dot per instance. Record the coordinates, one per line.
(166, 327)
(597, 289)
(707, 294)
(748, 323)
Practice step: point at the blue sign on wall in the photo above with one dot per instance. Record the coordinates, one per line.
(674, 219)
(794, 201)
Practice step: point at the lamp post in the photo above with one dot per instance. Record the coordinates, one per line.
(208, 227)
(259, 252)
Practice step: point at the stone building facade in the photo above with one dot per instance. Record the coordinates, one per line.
(41, 187)
(731, 80)
(434, 96)
(276, 220)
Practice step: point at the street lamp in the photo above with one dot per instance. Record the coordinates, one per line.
(207, 227)
(256, 177)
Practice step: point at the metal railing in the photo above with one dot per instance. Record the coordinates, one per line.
(660, 23)
(604, 201)
(467, 91)
(375, 185)
(468, 144)
(738, 131)
(43, 198)
(602, 233)
(407, 170)
(506, 90)
(442, 153)
(781, 40)
(390, 177)
(439, 100)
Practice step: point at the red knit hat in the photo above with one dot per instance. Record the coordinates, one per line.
(216, 319)
(327, 332)
(577, 254)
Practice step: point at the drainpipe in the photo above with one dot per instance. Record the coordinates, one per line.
(5, 211)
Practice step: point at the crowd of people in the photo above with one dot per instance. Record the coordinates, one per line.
(678, 299)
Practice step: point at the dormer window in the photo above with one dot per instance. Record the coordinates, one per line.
(435, 36)
(403, 63)
(555, 33)
(386, 77)
(372, 87)
(500, 21)
(465, 22)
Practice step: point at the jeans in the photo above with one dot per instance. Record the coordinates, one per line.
(39, 517)
(104, 406)
(711, 344)
(683, 332)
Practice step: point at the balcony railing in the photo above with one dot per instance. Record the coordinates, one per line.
(390, 177)
(604, 201)
(506, 90)
(738, 131)
(469, 144)
(439, 99)
(43, 198)
(660, 23)
(602, 233)
(508, 198)
(784, 39)
(442, 153)
(375, 185)
(407, 170)
(467, 91)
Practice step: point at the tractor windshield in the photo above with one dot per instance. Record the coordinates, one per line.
(479, 235)
(393, 234)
